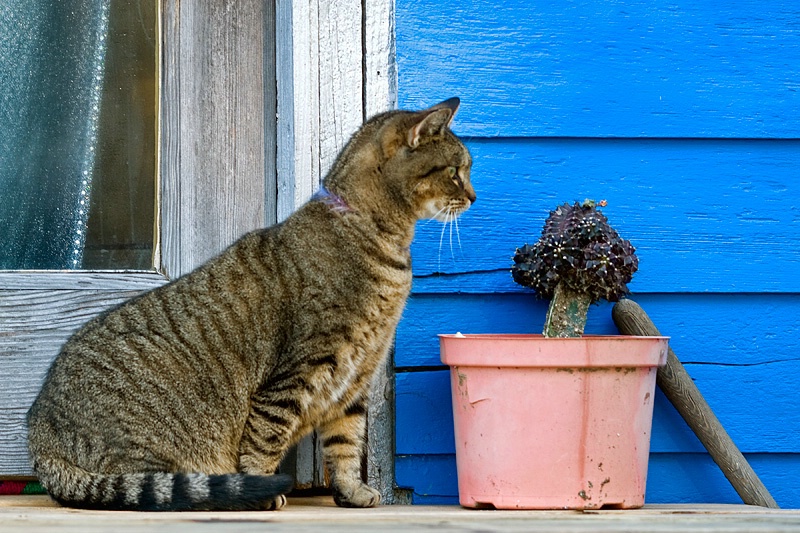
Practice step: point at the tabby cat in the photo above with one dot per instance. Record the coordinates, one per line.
(188, 396)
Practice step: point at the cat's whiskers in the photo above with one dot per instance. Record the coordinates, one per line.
(450, 218)
(458, 235)
(441, 237)
(451, 223)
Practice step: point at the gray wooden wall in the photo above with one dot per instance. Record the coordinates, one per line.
(256, 100)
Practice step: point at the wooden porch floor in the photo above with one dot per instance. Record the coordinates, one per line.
(33, 514)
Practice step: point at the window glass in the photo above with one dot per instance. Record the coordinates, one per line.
(78, 90)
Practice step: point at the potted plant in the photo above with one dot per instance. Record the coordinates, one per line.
(559, 420)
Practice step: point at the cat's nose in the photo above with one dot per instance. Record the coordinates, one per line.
(471, 197)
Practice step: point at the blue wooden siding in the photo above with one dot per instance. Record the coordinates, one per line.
(685, 116)
(586, 68)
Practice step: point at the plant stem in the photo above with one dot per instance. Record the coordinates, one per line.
(566, 316)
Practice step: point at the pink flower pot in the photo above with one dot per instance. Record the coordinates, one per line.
(548, 423)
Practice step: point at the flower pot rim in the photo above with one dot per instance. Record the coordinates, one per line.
(541, 337)
(537, 351)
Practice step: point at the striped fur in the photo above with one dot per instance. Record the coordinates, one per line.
(188, 396)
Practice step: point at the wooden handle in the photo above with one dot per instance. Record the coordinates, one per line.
(678, 387)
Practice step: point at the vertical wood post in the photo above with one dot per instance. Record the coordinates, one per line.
(380, 94)
(215, 103)
(335, 67)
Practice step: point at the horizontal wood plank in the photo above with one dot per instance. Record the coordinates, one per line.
(14, 460)
(33, 326)
(727, 329)
(319, 514)
(432, 478)
(79, 280)
(704, 215)
(589, 68)
(424, 411)
(672, 478)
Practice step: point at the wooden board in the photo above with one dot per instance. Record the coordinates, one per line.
(78, 280)
(425, 423)
(749, 330)
(672, 478)
(380, 95)
(34, 514)
(335, 66)
(33, 326)
(217, 101)
(704, 215)
(594, 69)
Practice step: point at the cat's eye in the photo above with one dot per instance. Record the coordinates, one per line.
(451, 171)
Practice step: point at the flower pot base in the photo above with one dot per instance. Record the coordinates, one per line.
(543, 504)
(536, 430)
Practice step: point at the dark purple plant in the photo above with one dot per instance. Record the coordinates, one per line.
(580, 252)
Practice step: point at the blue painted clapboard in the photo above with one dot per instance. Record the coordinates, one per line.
(684, 117)
(594, 68)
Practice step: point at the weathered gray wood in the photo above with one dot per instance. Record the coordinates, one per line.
(213, 116)
(33, 326)
(14, 460)
(380, 94)
(78, 279)
(38, 312)
(168, 203)
(380, 70)
(309, 468)
(321, 102)
(340, 112)
(270, 88)
(40, 514)
(324, 94)
(341, 106)
(297, 66)
(380, 436)
(678, 387)
(217, 147)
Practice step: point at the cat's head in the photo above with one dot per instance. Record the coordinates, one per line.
(426, 163)
(416, 160)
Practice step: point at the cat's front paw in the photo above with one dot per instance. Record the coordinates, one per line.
(361, 495)
(277, 504)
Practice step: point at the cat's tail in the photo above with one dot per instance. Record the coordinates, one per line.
(161, 491)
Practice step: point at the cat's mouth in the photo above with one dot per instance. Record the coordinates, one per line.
(452, 210)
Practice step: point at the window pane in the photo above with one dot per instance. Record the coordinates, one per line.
(77, 150)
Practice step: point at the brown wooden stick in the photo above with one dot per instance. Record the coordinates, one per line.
(678, 387)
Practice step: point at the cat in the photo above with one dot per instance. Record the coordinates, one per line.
(187, 397)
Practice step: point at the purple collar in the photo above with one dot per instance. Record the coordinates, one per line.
(334, 201)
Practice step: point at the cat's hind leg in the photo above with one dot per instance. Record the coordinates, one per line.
(342, 449)
(270, 430)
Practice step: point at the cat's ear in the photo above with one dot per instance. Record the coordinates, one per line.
(434, 121)
(451, 104)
